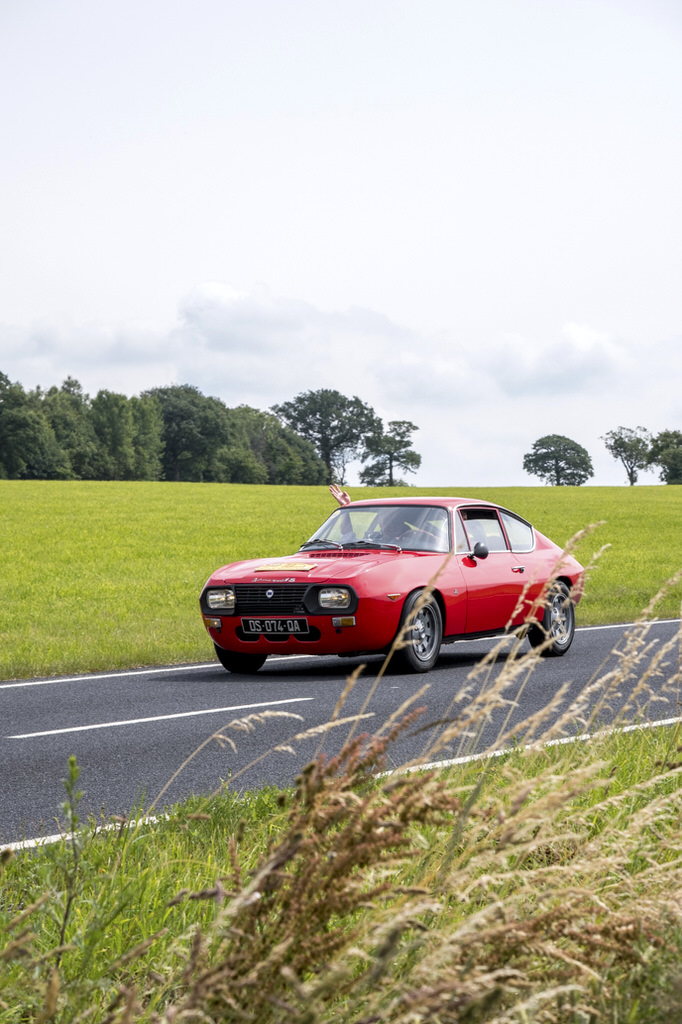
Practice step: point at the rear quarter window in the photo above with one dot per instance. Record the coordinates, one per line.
(520, 532)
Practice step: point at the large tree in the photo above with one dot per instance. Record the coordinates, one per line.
(337, 426)
(666, 453)
(390, 450)
(559, 461)
(195, 428)
(631, 447)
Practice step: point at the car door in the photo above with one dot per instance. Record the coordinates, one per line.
(494, 584)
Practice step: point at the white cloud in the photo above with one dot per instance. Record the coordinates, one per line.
(577, 360)
(119, 357)
(260, 349)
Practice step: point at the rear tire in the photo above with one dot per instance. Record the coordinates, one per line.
(557, 624)
(232, 661)
(424, 636)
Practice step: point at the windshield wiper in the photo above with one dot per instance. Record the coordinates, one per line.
(374, 545)
(321, 543)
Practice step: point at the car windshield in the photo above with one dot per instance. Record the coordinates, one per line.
(389, 527)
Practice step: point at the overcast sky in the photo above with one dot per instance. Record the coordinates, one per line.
(466, 212)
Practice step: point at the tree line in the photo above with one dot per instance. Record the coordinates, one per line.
(177, 433)
(560, 461)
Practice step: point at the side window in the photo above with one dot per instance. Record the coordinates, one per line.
(482, 524)
(520, 533)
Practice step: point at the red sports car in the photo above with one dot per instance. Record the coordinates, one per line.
(440, 569)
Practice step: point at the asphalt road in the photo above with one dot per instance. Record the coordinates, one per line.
(131, 731)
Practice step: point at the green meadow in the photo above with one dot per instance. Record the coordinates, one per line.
(107, 575)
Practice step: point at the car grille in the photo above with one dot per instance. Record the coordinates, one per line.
(286, 599)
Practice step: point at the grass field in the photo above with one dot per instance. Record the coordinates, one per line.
(107, 575)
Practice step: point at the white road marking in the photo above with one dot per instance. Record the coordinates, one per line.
(158, 718)
(58, 837)
(584, 737)
(123, 674)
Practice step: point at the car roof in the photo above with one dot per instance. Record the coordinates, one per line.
(447, 502)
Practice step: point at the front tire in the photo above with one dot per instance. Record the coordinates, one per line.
(232, 661)
(424, 634)
(557, 624)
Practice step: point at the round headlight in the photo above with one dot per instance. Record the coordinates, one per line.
(220, 600)
(334, 597)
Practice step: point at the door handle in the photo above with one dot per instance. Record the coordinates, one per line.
(518, 568)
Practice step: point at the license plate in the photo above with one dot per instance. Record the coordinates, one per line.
(275, 627)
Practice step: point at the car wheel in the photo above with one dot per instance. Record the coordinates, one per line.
(557, 624)
(424, 635)
(247, 664)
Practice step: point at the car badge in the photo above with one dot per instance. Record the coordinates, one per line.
(269, 594)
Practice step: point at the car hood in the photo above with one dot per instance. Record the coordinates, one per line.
(312, 568)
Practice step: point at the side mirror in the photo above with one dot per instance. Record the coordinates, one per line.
(480, 550)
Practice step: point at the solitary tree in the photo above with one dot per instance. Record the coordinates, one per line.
(666, 452)
(390, 450)
(559, 461)
(631, 447)
(338, 426)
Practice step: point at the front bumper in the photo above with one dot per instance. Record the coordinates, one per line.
(340, 633)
